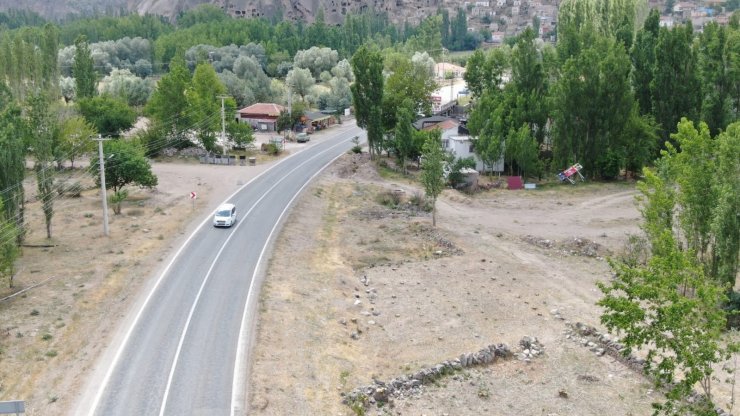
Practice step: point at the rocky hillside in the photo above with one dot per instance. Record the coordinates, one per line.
(334, 10)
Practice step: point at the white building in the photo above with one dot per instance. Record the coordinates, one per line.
(462, 147)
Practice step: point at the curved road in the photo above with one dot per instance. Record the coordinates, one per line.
(186, 351)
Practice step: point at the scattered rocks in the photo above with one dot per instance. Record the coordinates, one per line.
(531, 348)
(381, 392)
(575, 246)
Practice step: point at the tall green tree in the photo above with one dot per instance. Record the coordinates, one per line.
(367, 95)
(12, 160)
(43, 128)
(83, 69)
(168, 105)
(714, 71)
(669, 304)
(432, 171)
(205, 104)
(675, 88)
(408, 81)
(705, 172)
(643, 61)
(592, 105)
(404, 134)
(9, 250)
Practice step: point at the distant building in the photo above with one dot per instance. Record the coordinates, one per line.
(261, 116)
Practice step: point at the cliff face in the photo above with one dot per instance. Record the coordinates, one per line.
(334, 10)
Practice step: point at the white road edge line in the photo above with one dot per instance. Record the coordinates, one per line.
(239, 383)
(186, 327)
(124, 343)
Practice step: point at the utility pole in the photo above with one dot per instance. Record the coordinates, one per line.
(223, 118)
(101, 161)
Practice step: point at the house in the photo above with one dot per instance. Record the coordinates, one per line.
(462, 147)
(261, 116)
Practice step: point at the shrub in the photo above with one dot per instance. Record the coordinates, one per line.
(271, 149)
(420, 202)
(389, 199)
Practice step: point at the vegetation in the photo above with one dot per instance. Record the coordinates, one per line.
(125, 164)
(667, 300)
(367, 95)
(432, 168)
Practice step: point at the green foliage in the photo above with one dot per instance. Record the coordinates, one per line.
(592, 106)
(411, 81)
(455, 177)
(668, 302)
(116, 199)
(240, 134)
(706, 173)
(404, 135)
(432, 171)
(83, 69)
(12, 159)
(9, 250)
(43, 131)
(675, 87)
(643, 61)
(110, 116)
(28, 60)
(168, 105)
(714, 70)
(121, 83)
(669, 308)
(125, 164)
(74, 139)
(272, 149)
(367, 94)
(204, 104)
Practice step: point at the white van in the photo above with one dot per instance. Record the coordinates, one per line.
(225, 216)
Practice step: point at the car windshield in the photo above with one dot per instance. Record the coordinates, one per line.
(224, 213)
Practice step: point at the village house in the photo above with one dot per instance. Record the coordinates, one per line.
(261, 116)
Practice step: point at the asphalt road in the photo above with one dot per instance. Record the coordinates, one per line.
(186, 351)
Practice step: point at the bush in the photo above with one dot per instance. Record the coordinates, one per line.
(421, 202)
(271, 149)
(389, 199)
(456, 178)
(73, 190)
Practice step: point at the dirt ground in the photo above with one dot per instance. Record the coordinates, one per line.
(355, 291)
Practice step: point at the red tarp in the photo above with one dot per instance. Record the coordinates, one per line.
(515, 182)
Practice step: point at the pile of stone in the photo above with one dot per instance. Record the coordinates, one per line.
(381, 392)
(531, 348)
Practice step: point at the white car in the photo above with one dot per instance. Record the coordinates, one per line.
(225, 216)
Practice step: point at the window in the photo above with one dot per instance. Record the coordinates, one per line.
(446, 143)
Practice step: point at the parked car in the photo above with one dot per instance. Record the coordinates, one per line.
(302, 138)
(225, 216)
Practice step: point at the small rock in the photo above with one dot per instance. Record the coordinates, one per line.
(563, 394)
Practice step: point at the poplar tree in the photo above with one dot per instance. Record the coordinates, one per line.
(367, 95)
(83, 69)
(432, 171)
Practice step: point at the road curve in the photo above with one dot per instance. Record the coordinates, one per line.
(185, 352)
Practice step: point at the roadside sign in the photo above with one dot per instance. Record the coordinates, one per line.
(193, 195)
